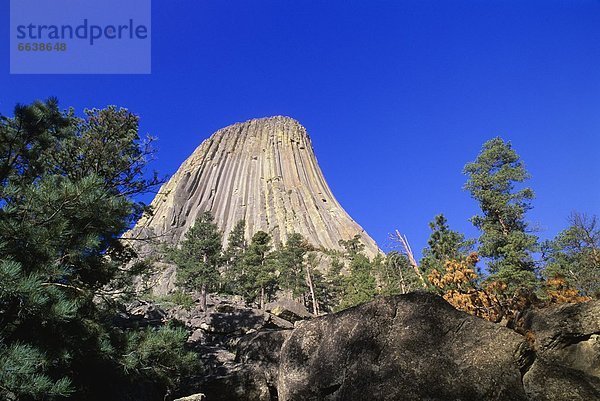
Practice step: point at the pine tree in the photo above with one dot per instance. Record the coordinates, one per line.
(290, 262)
(233, 257)
(360, 286)
(259, 278)
(151, 354)
(333, 283)
(198, 257)
(352, 246)
(443, 244)
(575, 255)
(66, 187)
(505, 239)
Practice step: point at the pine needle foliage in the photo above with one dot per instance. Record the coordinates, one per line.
(66, 196)
(505, 241)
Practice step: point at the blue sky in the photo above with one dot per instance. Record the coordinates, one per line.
(396, 95)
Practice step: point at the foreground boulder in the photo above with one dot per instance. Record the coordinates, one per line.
(566, 340)
(410, 347)
(417, 347)
(413, 347)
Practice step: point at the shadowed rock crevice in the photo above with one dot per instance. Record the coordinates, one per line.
(567, 352)
(330, 390)
(525, 358)
(273, 395)
(561, 341)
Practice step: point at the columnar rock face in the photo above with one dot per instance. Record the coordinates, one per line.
(263, 171)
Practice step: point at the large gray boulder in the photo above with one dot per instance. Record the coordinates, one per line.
(566, 340)
(262, 349)
(410, 347)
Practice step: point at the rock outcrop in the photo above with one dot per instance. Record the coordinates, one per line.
(412, 347)
(408, 347)
(288, 309)
(238, 348)
(254, 374)
(566, 340)
(263, 171)
(417, 347)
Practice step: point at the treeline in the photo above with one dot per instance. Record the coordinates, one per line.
(506, 270)
(260, 270)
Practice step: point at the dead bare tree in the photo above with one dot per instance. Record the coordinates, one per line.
(311, 262)
(406, 249)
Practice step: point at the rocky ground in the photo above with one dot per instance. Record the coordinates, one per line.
(237, 344)
(409, 347)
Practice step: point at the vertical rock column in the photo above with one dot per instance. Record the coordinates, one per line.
(264, 171)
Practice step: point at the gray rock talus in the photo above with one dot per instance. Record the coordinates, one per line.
(413, 347)
(264, 171)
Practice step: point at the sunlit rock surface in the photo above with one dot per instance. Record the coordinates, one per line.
(263, 171)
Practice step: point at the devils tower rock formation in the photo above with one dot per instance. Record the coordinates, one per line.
(263, 171)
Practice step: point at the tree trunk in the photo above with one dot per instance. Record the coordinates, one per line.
(411, 258)
(312, 291)
(203, 288)
(262, 298)
(203, 297)
(402, 280)
(502, 223)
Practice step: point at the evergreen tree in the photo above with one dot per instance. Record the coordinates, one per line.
(504, 239)
(259, 278)
(333, 283)
(323, 294)
(352, 246)
(157, 359)
(360, 286)
(66, 186)
(198, 257)
(290, 261)
(575, 255)
(233, 257)
(443, 244)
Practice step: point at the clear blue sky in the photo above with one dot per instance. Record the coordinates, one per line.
(396, 95)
